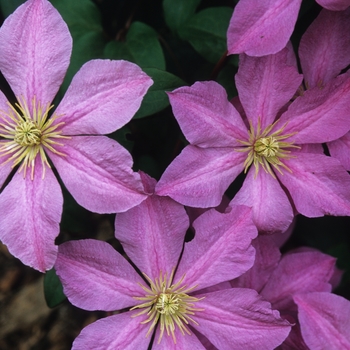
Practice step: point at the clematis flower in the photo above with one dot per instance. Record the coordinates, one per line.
(259, 28)
(279, 278)
(274, 148)
(35, 47)
(173, 300)
(324, 319)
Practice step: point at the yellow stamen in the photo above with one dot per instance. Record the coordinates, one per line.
(169, 304)
(26, 134)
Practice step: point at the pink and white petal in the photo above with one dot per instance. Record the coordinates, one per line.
(320, 114)
(198, 177)
(97, 172)
(239, 316)
(103, 96)
(334, 5)
(221, 249)
(266, 84)
(324, 49)
(183, 341)
(324, 320)
(340, 149)
(96, 277)
(318, 185)
(267, 257)
(260, 28)
(30, 215)
(152, 234)
(120, 331)
(272, 211)
(300, 272)
(35, 46)
(206, 117)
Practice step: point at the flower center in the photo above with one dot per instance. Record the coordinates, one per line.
(25, 134)
(266, 150)
(169, 304)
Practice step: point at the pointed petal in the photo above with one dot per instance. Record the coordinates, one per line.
(185, 341)
(320, 114)
(199, 177)
(264, 194)
(221, 249)
(318, 185)
(114, 332)
(153, 233)
(35, 46)
(96, 277)
(238, 316)
(103, 96)
(266, 84)
(267, 257)
(206, 117)
(340, 149)
(97, 172)
(324, 49)
(30, 215)
(334, 5)
(260, 28)
(324, 320)
(299, 272)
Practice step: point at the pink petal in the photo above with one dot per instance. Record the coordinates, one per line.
(318, 185)
(324, 49)
(264, 194)
(301, 272)
(96, 277)
(102, 97)
(266, 84)
(35, 46)
(238, 316)
(185, 341)
(30, 215)
(340, 149)
(320, 114)
(114, 332)
(152, 233)
(260, 28)
(199, 177)
(97, 172)
(334, 5)
(206, 117)
(324, 320)
(221, 249)
(267, 257)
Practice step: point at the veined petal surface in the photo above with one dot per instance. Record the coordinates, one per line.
(96, 277)
(35, 46)
(198, 177)
(340, 149)
(103, 96)
(334, 5)
(153, 232)
(260, 28)
(97, 172)
(30, 215)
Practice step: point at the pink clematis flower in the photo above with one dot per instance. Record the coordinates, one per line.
(173, 299)
(324, 320)
(35, 47)
(278, 279)
(284, 171)
(260, 28)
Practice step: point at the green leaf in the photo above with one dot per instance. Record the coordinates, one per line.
(8, 7)
(176, 13)
(206, 32)
(141, 47)
(53, 289)
(156, 98)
